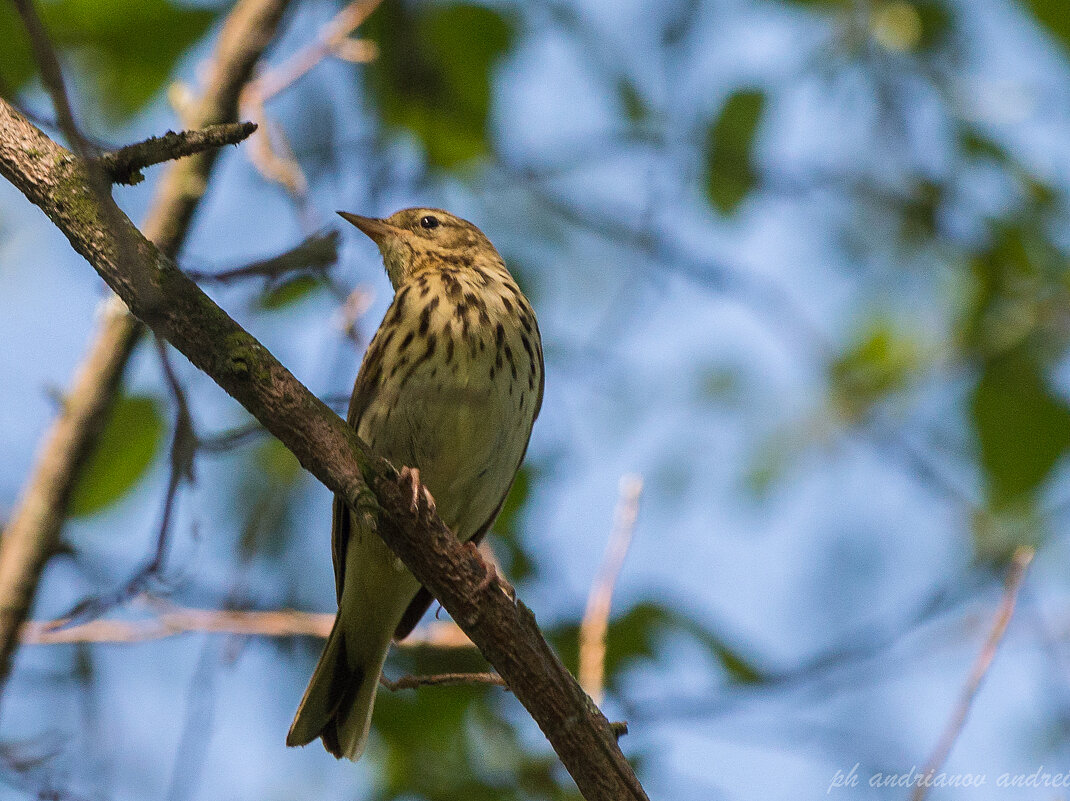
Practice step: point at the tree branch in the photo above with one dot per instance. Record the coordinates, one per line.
(1011, 586)
(172, 621)
(32, 534)
(124, 166)
(442, 680)
(595, 623)
(270, 153)
(503, 628)
(315, 254)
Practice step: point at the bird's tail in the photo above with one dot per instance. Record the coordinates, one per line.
(337, 704)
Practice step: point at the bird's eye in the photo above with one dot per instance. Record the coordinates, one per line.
(429, 222)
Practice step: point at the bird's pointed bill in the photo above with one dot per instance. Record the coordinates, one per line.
(376, 230)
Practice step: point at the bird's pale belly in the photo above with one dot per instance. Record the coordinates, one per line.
(461, 435)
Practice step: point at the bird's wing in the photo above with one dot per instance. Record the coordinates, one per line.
(542, 379)
(339, 538)
(363, 391)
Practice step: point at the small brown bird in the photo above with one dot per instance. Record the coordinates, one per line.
(447, 392)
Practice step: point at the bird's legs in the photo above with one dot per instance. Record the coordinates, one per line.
(411, 476)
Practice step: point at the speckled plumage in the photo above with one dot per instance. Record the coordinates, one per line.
(451, 385)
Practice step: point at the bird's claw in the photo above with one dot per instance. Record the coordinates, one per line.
(492, 577)
(410, 476)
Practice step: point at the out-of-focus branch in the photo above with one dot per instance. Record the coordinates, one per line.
(124, 165)
(271, 153)
(51, 74)
(1013, 583)
(183, 448)
(503, 628)
(32, 533)
(171, 621)
(315, 254)
(595, 622)
(248, 31)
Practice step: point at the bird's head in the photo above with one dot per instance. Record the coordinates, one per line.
(412, 240)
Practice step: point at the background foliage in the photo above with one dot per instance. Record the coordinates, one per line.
(801, 265)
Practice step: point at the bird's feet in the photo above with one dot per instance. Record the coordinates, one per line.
(491, 577)
(409, 478)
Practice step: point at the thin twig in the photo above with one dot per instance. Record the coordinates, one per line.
(596, 618)
(1012, 584)
(441, 680)
(228, 439)
(33, 534)
(51, 75)
(183, 448)
(315, 254)
(232, 438)
(172, 621)
(124, 165)
(331, 38)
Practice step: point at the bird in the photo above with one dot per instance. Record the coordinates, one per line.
(448, 392)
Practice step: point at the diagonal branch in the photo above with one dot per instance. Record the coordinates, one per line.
(1011, 586)
(51, 74)
(503, 628)
(33, 531)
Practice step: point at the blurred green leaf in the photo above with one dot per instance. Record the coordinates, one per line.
(289, 292)
(730, 171)
(127, 49)
(635, 635)
(278, 463)
(1053, 15)
(634, 107)
(997, 533)
(769, 462)
(1018, 296)
(265, 494)
(433, 74)
(977, 144)
(877, 364)
(127, 447)
(901, 26)
(1022, 427)
(762, 474)
(450, 743)
(936, 21)
(921, 210)
(720, 383)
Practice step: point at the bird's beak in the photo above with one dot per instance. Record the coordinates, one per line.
(376, 229)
